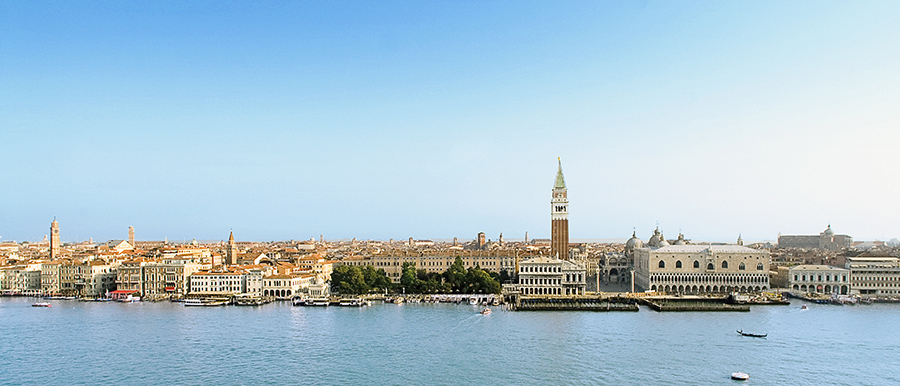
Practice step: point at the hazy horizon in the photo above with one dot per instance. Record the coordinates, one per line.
(288, 120)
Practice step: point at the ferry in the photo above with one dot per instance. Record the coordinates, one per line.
(318, 302)
(353, 303)
(42, 304)
(201, 303)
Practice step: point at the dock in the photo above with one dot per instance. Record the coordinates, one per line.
(572, 303)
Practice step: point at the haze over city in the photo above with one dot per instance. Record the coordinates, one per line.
(434, 120)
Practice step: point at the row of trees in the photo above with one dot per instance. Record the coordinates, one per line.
(456, 279)
(347, 279)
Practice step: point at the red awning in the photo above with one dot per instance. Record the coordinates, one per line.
(124, 291)
(170, 288)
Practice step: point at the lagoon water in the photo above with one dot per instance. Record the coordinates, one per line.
(413, 344)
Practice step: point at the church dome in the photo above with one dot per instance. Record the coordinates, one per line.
(634, 242)
(680, 240)
(662, 241)
(828, 232)
(654, 240)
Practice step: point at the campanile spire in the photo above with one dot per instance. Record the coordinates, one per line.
(559, 217)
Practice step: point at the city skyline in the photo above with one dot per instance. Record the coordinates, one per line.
(396, 120)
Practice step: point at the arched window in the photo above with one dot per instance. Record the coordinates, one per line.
(678, 264)
(724, 264)
(710, 267)
(741, 267)
(759, 267)
(696, 264)
(662, 264)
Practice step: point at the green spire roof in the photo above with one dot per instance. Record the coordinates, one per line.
(560, 180)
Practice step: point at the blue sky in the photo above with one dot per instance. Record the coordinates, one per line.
(382, 120)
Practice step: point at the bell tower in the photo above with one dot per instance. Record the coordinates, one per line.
(559, 217)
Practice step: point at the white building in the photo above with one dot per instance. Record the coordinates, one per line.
(822, 279)
(218, 283)
(700, 268)
(875, 276)
(548, 276)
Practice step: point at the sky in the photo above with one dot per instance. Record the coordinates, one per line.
(434, 120)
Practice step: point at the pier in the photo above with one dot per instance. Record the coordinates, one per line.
(571, 303)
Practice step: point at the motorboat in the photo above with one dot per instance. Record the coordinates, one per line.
(298, 301)
(804, 307)
(486, 311)
(473, 301)
(751, 335)
(739, 376)
(42, 304)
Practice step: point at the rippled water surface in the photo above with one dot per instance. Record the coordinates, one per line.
(412, 344)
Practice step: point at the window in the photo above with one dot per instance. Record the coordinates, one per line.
(678, 264)
(696, 264)
(742, 267)
(662, 264)
(710, 267)
(759, 267)
(724, 264)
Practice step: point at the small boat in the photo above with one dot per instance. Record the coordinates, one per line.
(42, 304)
(486, 311)
(739, 376)
(473, 301)
(751, 335)
(804, 307)
(399, 300)
(298, 301)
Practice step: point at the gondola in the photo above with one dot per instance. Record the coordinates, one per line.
(751, 335)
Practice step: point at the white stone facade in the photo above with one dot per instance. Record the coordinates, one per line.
(695, 269)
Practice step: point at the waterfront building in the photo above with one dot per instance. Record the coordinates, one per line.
(551, 276)
(129, 276)
(50, 277)
(435, 261)
(559, 217)
(819, 279)
(168, 276)
(285, 286)
(700, 268)
(54, 240)
(874, 276)
(218, 283)
(88, 278)
(825, 240)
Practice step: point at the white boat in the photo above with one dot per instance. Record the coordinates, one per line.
(201, 303)
(486, 311)
(352, 303)
(473, 301)
(298, 301)
(41, 304)
(318, 302)
(740, 376)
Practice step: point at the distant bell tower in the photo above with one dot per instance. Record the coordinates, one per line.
(230, 255)
(54, 239)
(131, 236)
(559, 217)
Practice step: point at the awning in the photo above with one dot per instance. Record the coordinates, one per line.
(124, 291)
(170, 288)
